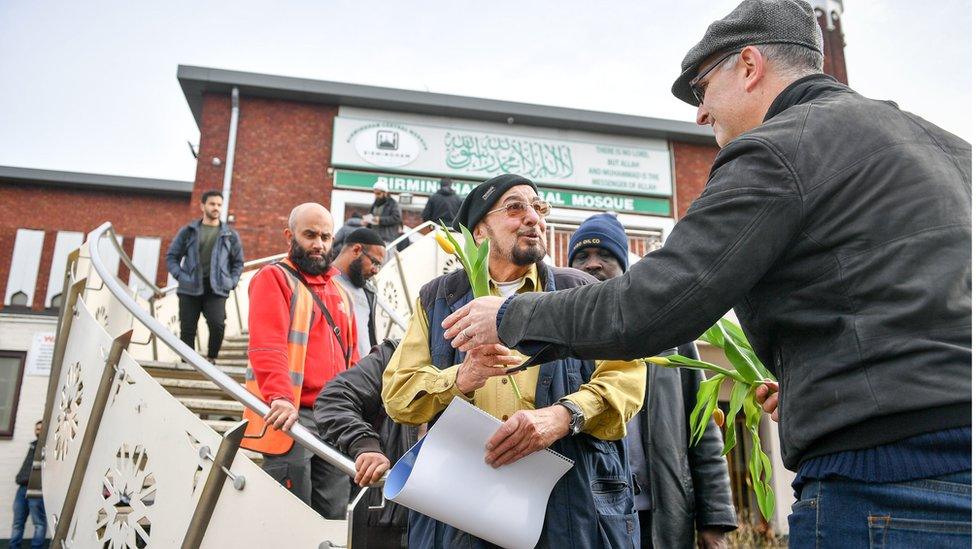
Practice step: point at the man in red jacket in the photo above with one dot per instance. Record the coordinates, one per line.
(292, 342)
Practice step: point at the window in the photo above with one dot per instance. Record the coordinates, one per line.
(26, 260)
(65, 242)
(11, 375)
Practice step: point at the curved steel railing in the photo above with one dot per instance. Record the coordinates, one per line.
(232, 388)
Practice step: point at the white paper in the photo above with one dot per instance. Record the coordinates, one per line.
(40, 354)
(444, 476)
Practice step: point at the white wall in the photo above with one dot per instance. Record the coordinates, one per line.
(16, 334)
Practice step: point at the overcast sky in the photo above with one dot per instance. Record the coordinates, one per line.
(91, 86)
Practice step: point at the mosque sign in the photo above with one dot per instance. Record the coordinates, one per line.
(559, 198)
(436, 146)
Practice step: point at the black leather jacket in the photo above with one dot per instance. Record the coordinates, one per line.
(689, 485)
(349, 414)
(840, 230)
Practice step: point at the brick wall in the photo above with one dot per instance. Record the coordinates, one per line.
(692, 164)
(281, 160)
(53, 209)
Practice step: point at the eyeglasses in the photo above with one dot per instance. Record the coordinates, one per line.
(519, 208)
(697, 89)
(376, 262)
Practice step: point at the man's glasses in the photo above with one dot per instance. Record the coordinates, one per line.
(519, 208)
(376, 262)
(697, 87)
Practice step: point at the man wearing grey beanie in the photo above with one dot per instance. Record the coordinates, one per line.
(839, 229)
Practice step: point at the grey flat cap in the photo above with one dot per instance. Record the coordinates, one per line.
(752, 23)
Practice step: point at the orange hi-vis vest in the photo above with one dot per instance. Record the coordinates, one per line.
(257, 435)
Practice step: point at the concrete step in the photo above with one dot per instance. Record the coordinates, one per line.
(212, 406)
(235, 362)
(238, 345)
(198, 388)
(181, 370)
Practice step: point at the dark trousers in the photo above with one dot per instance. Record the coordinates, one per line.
(212, 307)
(318, 483)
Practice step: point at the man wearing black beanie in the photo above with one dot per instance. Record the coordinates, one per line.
(578, 408)
(359, 260)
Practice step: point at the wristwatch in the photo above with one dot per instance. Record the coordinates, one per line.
(575, 415)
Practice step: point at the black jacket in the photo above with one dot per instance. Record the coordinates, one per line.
(390, 219)
(840, 230)
(350, 416)
(23, 476)
(442, 206)
(689, 485)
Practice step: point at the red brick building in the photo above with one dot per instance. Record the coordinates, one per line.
(302, 140)
(648, 170)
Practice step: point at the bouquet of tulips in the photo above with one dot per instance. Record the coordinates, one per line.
(748, 374)
(474, 259)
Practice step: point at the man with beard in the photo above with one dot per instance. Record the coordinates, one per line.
(206, 259)
(360, 259)
(301, 335)
(384, 215)
(578, 408)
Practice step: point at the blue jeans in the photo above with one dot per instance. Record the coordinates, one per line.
(930, 513)
(21, 506)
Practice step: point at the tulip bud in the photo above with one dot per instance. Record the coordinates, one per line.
(659, 360)
(444, 243)
(719, 416)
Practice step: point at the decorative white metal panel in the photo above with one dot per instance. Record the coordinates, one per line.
(167, 311)
(87, 348)
(421, 262)
(145, 473)
(265, 514)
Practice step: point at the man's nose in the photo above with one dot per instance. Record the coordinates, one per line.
(701, 118)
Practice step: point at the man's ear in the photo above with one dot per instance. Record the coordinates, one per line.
(480, 232)
(288, 236)
(755, 67)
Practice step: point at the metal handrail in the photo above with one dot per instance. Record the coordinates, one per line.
(230, 387)
(127, 261)
(415, 230)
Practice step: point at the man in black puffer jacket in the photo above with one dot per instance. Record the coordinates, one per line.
(839, 227)
(350, 416)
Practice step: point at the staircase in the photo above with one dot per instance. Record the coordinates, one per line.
(141, 435)
(203, 397)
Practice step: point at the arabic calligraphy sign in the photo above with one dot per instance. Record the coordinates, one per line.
(480, 150)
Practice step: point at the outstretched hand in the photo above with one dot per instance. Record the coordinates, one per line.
(474, 324)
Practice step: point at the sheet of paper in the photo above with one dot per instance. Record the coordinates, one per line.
(444, 476)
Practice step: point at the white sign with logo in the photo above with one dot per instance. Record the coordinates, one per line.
(470, 149)
(40, 354)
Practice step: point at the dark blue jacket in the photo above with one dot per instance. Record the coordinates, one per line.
(592, 505)
(226, 263)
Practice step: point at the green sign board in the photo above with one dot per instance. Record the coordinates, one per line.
(559, 198)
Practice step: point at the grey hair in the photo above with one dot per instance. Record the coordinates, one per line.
(790, 60)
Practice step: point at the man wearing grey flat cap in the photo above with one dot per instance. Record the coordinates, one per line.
(839, 229)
